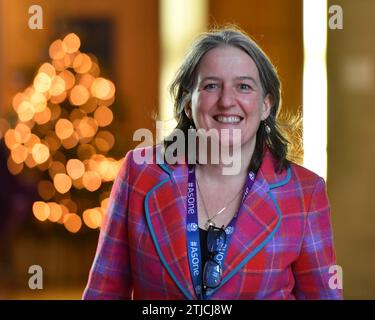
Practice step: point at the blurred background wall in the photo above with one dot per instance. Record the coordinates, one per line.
(351, 148)
(127, 39)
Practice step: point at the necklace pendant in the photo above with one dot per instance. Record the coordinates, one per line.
(210, 223)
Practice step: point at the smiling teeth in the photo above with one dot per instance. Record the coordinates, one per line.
(231, 119)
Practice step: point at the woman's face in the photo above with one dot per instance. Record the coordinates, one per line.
(228, 95)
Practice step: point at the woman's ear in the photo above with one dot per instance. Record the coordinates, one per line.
(188, 111)
(266, 106)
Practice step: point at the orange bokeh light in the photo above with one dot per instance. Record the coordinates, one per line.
(41, 210)
(48, 69)
(12, 138)
(24, 131)
(43, 117)
(72, 222)
(46, 189)
(108, 169)
(75, 168)
(86, 127)
(40, 153)
(64, 128)
(39, 101)
(25, 111)
(104, 203)
(57, 49)
(82, 63)
(14, 168)
(91, 180)
(55, 211)
(57, 86)
(19, 154)
(68, 78)
(85, 80)
(102, 89)
(104, 141)
(104, 116)
(72, 43)
(17, 99)
(42, 82)
(79, 95)
(62, 182)
(93, 217)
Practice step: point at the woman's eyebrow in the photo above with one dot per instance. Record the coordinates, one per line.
(212, 78)
(246, 78)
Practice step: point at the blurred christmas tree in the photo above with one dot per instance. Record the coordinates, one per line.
(62, 130)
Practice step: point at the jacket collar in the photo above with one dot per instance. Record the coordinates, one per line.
(258, 220)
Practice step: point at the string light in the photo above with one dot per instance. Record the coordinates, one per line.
(47, 127)
(41, 210)
(72, 222)
(75, 168)
(72, 43)
(42, 82)
(62, 182)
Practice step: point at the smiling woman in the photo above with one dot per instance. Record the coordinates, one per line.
(228, 95)
(190, 231)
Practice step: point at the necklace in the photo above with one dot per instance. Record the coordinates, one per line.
(210, 221)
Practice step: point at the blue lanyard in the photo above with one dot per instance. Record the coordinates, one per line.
(193, 242)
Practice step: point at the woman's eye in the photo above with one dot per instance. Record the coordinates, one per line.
(210, 86)
(244, 86)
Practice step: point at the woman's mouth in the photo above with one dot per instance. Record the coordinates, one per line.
(228, 119)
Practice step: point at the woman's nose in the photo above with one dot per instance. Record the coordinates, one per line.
(226, 98)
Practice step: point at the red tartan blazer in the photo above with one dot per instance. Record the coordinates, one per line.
(282, 247)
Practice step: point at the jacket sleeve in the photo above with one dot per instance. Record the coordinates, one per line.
(313, 279)
(110, 274)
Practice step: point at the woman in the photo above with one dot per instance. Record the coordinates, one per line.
(264, 232)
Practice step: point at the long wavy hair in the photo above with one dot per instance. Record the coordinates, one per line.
(183, 84)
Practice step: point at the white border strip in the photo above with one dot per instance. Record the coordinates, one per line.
(315, 86)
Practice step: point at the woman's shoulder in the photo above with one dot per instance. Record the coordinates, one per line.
(305, 177)
(141, 170)
(291, 172)
(148, 160)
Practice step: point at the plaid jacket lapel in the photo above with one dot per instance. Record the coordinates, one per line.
(258, 220)
(166, 217)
